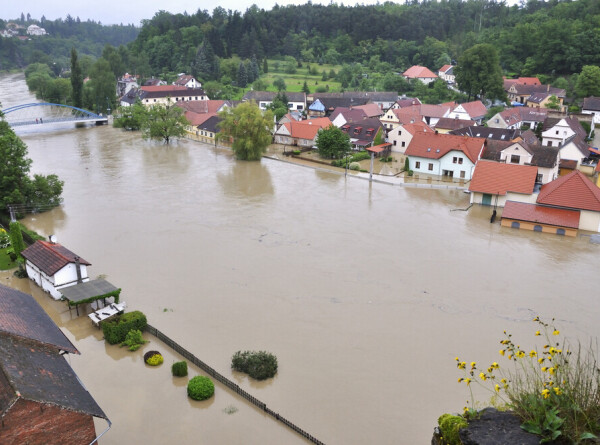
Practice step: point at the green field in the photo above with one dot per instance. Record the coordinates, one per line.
(294, 82)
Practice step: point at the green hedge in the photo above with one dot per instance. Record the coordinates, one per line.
(115, 330)
(200, 388)
(179, 369)
(260, 365)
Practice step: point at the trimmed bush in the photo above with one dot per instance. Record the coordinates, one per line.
(115, 330)
(134, 340)
(200, 388)
(449, 426)
(355, 166)
(179, 369)
(153, 358)
(259, 365)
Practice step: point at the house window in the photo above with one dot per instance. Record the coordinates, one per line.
(556, 131)
(537, 228)
(460, 160)
(549, 144)
(560, 231)
(403, 143)
(462, 174)
(430, 167)
(418, 164)
(400, 133)
(300, 107)
(496, 120)
(514, 159)
(395, 143)
(539, 177)
(515, 225)
(455, 160)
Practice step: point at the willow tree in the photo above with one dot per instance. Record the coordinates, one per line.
(248, 128)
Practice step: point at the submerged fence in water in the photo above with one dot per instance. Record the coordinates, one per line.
(228, 383)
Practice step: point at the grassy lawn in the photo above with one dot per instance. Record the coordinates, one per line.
(5, 261)
(295, 81)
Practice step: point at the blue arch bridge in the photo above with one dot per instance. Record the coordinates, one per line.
(49, 113)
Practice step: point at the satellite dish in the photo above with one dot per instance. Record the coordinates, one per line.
(52, 239)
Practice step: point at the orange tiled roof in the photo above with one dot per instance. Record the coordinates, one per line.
(539, 214)
(162, 88)
(307, 129)
(445, 68)
(573, 191)
(418, 72)
(497, 178)
(475, 108)
(434, 146)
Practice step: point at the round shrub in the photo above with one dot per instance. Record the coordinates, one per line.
(179, 369)
(153, 358)
(260, 365)
(354, 166)
(200, 388)
(449, 426)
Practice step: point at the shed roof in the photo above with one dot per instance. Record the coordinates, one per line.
(89, 289)
(497, 178)
(50, 257)
(540, 214)
(21, 316)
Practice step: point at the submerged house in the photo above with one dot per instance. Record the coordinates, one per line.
(53, 267)
(42, 401)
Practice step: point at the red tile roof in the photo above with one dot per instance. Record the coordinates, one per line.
(417, 126)
(539, 214)
(497, 178)
(475, 108)
(307, 129)
(163, 88)
(50, 257)
(434, 146)
(574, 191)
(445, 68)
(448, 123)
(371, 110)
(418, 72)
(379, 148)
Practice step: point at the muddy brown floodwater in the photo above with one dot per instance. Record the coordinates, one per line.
(365, 292)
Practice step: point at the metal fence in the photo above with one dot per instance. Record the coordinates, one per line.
(228, 383)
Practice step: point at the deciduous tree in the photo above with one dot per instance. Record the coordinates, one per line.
(248, 128)
(588, 82)
(332, 142)
(164, 122)
(478, 73)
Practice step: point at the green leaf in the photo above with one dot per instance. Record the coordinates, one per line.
(532, 427)
(587, 435)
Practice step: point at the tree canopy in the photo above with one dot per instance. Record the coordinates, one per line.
(162, 122)
(249, 128)
(479, 74)
(588, 82)
(332, 143)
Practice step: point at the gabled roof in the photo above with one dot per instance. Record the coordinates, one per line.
(578, 143)
(210, 124)
(434, 146)
(497, 178)
(50, 257)
(591, 103)
(408, 101)
(183, 79)
(364, 131)
(40, 374)
(350, 114)
(475, 109)
(269, 96)
(574, 191)
(448, 123)
(419, 72)
(571, 121)
(515, 115)
(417, 126)
(317, 105)
(528, 90)
(22, 317)
(499, 134)
(445, 69)
(538, 98)
(546, 157)
(539, 214)
(370, 110)
(203, 106)
(307, 129)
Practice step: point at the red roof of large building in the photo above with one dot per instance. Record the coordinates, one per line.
(162, 88)
(574, 191)
(539, 214)
(434, 146)
(419, 72)
(497, 178)
(50, 257)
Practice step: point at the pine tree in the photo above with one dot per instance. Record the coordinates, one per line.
(305, 88)
(265, 66)
(242, 77)
(76, 80)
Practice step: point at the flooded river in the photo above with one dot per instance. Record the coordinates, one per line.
(365, 292)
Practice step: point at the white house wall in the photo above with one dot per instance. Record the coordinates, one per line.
(571, 152)
(399, 138)
(589, 221)
(524, 156)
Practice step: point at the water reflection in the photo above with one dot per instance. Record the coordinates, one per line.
(247, 180)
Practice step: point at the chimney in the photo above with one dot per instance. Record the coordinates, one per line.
(78, 269)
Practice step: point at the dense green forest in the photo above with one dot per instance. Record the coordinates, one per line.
(54, 49)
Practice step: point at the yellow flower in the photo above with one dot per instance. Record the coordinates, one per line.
(456, 359)
(546, 393)
(497, 388)
(460, 380)
(468, 381)
(544, 369)
(473, 365)
(520, 354)
(536, 319)
(502, 351)
(537, 332)
(482, 376)
(557, 390)
(541, 360)
(495, 365)
(461, 365)
(503, 380)
(556, 332)
(551, 370)
(532, 353)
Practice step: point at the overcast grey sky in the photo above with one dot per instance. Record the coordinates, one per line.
(130, 11)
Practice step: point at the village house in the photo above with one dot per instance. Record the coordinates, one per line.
(518, 117)
(203, 118)
(477, 131)
(520, 215)
(347, 99)
(557, 130)
(42, 401)
(404, 102)
(52, 267)
(296, 101)
(520, 93)
(301, 133)
(494, 183)
(362, 134)
(168, 94)
(188, 81)
(475, 111)
(401, 135)
(446, 73)
(341, 116)
(443, 154)
(448, 124)
(35, 30)
(591, 105)
(417, 72)
(126, 83)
